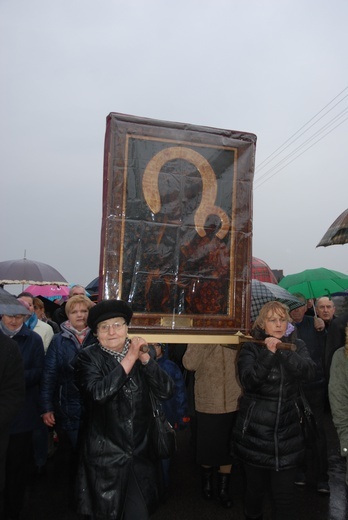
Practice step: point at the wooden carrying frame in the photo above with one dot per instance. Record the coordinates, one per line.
(176, 227)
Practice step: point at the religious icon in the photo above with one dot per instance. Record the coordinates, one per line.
(172, 206)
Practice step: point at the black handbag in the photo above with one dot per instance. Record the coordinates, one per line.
(163, 435)
(307, 420)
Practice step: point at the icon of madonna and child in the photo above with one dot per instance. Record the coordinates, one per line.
(177, 239)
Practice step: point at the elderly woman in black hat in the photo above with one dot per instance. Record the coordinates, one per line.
(117, 475)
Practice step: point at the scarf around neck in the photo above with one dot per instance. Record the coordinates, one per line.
(79, 334)
(7, 331)
(32, 321)
(118, 355)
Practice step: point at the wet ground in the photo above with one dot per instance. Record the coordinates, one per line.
(48, 496)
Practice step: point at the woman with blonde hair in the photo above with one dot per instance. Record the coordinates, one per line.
(60, 398)
(267, 435)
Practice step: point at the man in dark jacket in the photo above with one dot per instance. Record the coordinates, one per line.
(315, 392)
(336, 338)
(12, 389)
(325, 310)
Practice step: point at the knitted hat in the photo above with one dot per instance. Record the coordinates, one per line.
(107, 309)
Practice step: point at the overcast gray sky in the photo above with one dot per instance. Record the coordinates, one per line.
(262, 66)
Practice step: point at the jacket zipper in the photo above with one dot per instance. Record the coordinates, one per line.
(276, 445)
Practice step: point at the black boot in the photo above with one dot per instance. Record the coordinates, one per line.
(207, 483)
(257, 518)
(223, 490)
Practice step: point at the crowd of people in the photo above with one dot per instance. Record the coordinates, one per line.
(80, 377)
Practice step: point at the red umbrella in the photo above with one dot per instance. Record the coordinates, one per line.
(261, 271)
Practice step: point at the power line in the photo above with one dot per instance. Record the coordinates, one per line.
(303, 126)
(297, 135)
(275, 173)
(313, 136)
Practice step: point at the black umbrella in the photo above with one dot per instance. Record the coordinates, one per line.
(93, 286)
(50, 306)
(26, 271)
(337, 232)
(9, 304)
(264, 292)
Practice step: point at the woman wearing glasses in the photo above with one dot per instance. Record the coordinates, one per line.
(27, 418)
(117, 475)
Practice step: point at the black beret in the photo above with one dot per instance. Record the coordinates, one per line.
(107, 309)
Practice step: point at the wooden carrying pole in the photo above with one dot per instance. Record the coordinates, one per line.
(234, 346)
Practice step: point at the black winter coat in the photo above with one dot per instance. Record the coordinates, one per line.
(32, 351)
(59, 393)
(267, 432)
(115, 436)
(12, 382)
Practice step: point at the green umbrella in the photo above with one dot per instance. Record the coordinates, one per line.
(314, 283)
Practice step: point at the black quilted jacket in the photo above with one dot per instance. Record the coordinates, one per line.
(267, 433)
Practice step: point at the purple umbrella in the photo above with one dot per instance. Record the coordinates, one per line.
(26, 271)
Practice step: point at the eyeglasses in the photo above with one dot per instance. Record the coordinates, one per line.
(105, 327)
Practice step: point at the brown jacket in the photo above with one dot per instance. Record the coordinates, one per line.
(216, 386)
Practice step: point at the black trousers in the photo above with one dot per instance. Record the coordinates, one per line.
(4, 438)
(18, 459)
(317, 456)
(281, 486)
